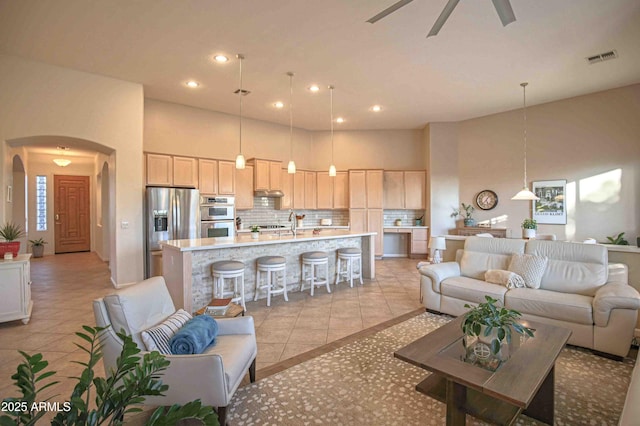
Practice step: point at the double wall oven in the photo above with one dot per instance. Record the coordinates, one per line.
(217, 216)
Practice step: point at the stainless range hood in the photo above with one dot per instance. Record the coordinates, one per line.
(271, 193)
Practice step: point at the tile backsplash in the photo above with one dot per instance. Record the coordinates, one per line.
(265, 213)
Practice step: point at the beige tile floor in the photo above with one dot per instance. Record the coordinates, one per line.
(64, 286)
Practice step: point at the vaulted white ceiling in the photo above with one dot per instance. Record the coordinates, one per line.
(472, 68)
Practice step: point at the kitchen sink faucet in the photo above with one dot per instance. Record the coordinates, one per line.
(292, 219)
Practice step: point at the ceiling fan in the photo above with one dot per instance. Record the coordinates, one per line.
(503, 7)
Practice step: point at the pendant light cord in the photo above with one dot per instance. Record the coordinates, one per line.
(241, 57)
(331, 92)
(290, 115)
(524, 109)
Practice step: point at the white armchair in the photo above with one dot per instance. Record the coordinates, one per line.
(213, 376)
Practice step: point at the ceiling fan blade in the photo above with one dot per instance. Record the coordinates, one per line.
(443, 17)
(505, 11)
(389, 10)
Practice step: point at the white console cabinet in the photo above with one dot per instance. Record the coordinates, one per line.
(15, 289)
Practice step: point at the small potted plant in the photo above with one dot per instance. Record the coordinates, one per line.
(493, 325)
(529, 227)
(618, 240)
(465, 210)
(10, 232)
(255, 231)
(37, 247)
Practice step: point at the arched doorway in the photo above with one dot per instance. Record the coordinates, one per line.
(104, 219)
(19, 199)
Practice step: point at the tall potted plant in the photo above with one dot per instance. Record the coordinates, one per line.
(465, 210)
(529, 227)
(10, 232)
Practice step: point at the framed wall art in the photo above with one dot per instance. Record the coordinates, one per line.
(551, 208)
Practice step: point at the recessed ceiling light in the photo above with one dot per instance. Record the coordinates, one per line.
(193, 84)
(220, 58)
(278, 104)
(339, 120)
(314, 88)
(376, 108)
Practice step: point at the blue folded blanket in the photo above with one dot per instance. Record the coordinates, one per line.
(194, 336)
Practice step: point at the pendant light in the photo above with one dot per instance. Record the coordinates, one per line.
(240, 162)
(62, 162)
(525, 194)
(291, 167)
(332, 167)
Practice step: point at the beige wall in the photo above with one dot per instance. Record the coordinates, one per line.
(41, 100)
(178, 129)
(591, 141)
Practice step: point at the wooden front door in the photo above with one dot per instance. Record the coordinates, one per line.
(71, 213)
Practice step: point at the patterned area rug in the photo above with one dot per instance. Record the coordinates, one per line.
(363, 384)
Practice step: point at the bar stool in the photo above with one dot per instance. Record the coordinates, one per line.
(222, 270)
(274, 284)
(350, 256)
(315, 259)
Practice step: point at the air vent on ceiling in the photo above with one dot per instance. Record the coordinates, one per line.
(612, 54)
(244, 92)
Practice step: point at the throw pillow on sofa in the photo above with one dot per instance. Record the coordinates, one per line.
(157, 337)
(529, 267)
(506, 278)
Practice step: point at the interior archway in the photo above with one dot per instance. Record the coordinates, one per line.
(104, 214)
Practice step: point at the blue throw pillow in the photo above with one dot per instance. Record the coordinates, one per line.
(195, 336)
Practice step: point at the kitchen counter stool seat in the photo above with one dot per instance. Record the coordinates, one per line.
(348, 259)
(275, 281)
(313, 260)
(227, 269)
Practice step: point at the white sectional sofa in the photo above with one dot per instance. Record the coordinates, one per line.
(579, 290)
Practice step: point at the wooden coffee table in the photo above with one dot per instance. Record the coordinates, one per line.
(524, 383)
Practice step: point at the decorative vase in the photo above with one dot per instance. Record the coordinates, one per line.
(299, 223)
(503, 353)
(418, 222)
(528, 233)
(9, 247)
(255, 235)
(38, 251)
(469, 221)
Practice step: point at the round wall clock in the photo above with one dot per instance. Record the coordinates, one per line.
(487, 199)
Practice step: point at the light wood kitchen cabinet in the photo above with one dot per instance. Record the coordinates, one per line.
(15, 289)
(358, 220)
(324, 190)
(374, 189)
(244, 188)
(357, 189)
(267, 174)
(375, 223)
(309, 190)
(185, 172)
(341, 190)
(208, 176)
(298, 190)
(159, 170)
(415, 190)
(285, 202)
(393, 189)
(419, 241)
(226, 177)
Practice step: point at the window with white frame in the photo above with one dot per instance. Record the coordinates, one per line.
(41, 203)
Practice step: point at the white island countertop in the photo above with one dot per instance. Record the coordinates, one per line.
(264, 239)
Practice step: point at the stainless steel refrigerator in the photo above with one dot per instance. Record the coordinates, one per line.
(170, 214)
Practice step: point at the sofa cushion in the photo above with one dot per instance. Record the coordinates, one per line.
(472, 290)
(482, 254)
(236, 351)
(506, 278)
(529, 267)
(573, 267)
(551, 304)
(138, 307)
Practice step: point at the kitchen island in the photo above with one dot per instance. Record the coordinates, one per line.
(187, 263)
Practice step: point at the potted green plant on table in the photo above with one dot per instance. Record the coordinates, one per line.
(529, 227)
(493, 326)
(10, 232)
(255, 231)
(465, 210)
(37, 247)
(618, 240)
(135, 377)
